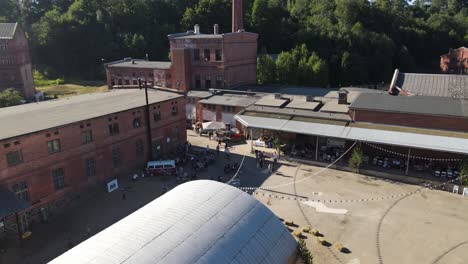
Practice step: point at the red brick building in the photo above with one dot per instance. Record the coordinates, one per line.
(15, 63)
(198, 61)
(52, 149)
(455, 61)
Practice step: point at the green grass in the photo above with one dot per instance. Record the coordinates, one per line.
(59, 88)
(67, 90)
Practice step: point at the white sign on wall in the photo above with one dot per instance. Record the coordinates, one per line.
(112, 185)
(465, 191)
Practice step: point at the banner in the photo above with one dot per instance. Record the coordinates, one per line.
(112, 185)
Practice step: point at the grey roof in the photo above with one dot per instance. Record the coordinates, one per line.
(298, 103)
(199, 222)
(29, 118)
(7, 30)
(10, 204)
(434, 84)
(334, 107)
(426, 105)
(230, 100)
(423, 141)
(143, 64)
(199, 94)
(290, 90)
(270, 100)
(297, 112)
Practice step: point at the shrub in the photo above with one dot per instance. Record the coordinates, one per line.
(464, 173)
(356, 160)
(304, 252)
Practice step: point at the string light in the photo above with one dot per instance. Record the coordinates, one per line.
(411, 156)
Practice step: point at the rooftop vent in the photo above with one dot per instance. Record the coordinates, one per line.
(277, 96)
(309, 98)
(216, 29)
(342, 96)
(196, 29)
(133, 62)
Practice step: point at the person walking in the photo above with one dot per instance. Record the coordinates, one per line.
(226, 151)
(275, 160)
(217, 150)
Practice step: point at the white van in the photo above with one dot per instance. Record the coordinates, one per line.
(161, 167)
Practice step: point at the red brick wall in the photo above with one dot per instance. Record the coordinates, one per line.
(152, 76)
(412, 120)
(181, 69)
(37, 167)
(18, 72)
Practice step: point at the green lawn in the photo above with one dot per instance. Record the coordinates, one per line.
(71, 89)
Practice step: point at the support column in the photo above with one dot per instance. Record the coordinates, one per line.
(408, 161)
(316, 147)
(251, 140)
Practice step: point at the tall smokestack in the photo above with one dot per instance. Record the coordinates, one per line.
(237, 15)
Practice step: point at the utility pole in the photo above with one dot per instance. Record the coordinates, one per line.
(148, 124)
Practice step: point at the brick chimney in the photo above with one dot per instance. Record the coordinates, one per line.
(237, 15)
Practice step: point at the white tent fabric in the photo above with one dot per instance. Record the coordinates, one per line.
(196, 222)
(213, 125)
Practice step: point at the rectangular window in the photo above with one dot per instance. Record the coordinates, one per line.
(21, 190)
(90, 165)
(14, 157)
(196, 54)
(58, 176)
(86, 137)
(114, 129)
(218, 54)
(137, 122)
(207, 84)
(207, 55)
(140, 151)
(156, 116)
(174, 110)
(53, 146)
(219, 82)
(116, 160)
(197, 81)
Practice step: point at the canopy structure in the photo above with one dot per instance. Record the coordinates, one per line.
(213, 125)
(196, 222)
(10, 204)
(396, 138)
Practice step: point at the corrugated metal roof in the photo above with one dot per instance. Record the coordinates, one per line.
(196, 222)
(230, 100)
(423, 141)
(163, 65)
(298, 112)
(434, 84)
(28, 118)
(426, 105)
(7, 30)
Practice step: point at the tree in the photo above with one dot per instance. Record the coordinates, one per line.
(464, 173)
(266, 70)
(304, 252)
(10, 97)
(356, 159)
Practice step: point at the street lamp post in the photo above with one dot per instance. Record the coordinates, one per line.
(148, 124)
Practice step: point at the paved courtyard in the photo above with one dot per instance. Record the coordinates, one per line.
(379, 221)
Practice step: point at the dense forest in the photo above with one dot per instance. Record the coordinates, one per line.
(314, 42)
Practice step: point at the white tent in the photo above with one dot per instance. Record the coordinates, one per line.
(213, 125)
(196, 222)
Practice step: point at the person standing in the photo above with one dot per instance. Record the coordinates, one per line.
(275, 159)
(217, 150)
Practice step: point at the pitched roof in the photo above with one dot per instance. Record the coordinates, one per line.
(7, 30)
(29, 118)
(138, 63)
(426, 105)
(434, 84)
(196, 222)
